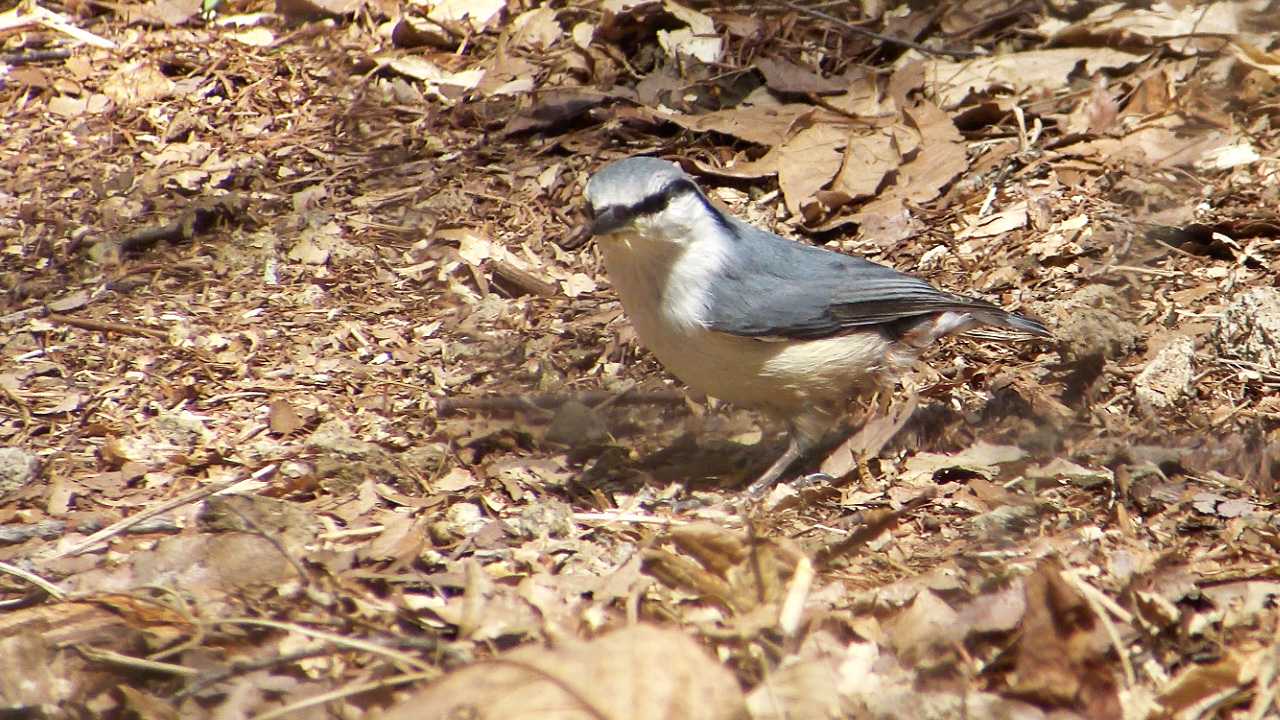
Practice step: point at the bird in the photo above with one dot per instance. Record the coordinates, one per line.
(739, 313)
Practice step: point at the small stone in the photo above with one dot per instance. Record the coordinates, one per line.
(550, 518)
(464, 519)
(17, 469)
(1250, 327)
(1168, 378)
(1096, 322)
(336, 436)
(182, 429)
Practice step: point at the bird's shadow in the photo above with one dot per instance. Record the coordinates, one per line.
(697, 462)
(694, 460)
(701, 461)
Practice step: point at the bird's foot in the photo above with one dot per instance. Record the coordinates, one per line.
(811, 480)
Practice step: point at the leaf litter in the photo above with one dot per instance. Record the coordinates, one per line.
(311, 405)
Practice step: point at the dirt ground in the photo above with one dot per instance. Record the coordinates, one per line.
(315, 403)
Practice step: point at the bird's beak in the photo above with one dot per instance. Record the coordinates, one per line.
(608, 221)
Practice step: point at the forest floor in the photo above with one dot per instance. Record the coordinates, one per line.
(314, 404)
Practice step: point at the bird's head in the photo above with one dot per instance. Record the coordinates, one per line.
(649, 199)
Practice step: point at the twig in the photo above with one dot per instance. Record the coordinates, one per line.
(853, 117)
(522, 279)
(351, 532)
(180, 606)
(797, 593)
(340, 641)
(447, 406)
(874, 524)
(1194, 28)
(610, 517)
(218, 399)
(97, 294)
(135, 663)
(39, 353)
(241, 668)
(14, 533)
(201, 216)
(105, 326)
(346, 692)
(118, 527)
(28, 57)
(49, 588)
(43, 589)
(1159, 272)
(31, 14)
(962, 54)
(1104, 607)
(1235, 363)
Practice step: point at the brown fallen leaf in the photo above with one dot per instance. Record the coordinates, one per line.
(727, 567)
(639, 673)
(29, 676)
(868, 160)
(209, 568)
(283, 419)
(807, 162)
(146, 706)
(554, 109)
(536, 29)
(683, 574)
(870, 439)
(1059, 651)
(411, 32)
(926, 629)
(1198, 683)
(768, 126)
(162, 12)
(954, 81)
(1135, 26)
(787, 77)
(298, 10)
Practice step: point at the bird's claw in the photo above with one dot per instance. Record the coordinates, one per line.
(811, 480)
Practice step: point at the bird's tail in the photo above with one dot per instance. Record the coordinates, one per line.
(970, 320)
(1010, 320)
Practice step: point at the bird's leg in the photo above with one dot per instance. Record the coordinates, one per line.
(766, 480)
(866, 479)
(877, 406)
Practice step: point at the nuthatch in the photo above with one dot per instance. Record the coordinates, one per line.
(755, 319)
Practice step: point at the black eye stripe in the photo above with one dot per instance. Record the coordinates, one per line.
(659, 201)
(651, 204)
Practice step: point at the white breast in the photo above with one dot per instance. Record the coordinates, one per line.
(665, 295)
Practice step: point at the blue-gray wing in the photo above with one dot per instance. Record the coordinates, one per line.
(775, 288)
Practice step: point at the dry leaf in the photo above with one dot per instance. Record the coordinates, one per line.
(612, 676)
(699, 40)
(536, 29)
(283, 419)
(786, 77)
(479, 14)
(954, 81)
(982, 459)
